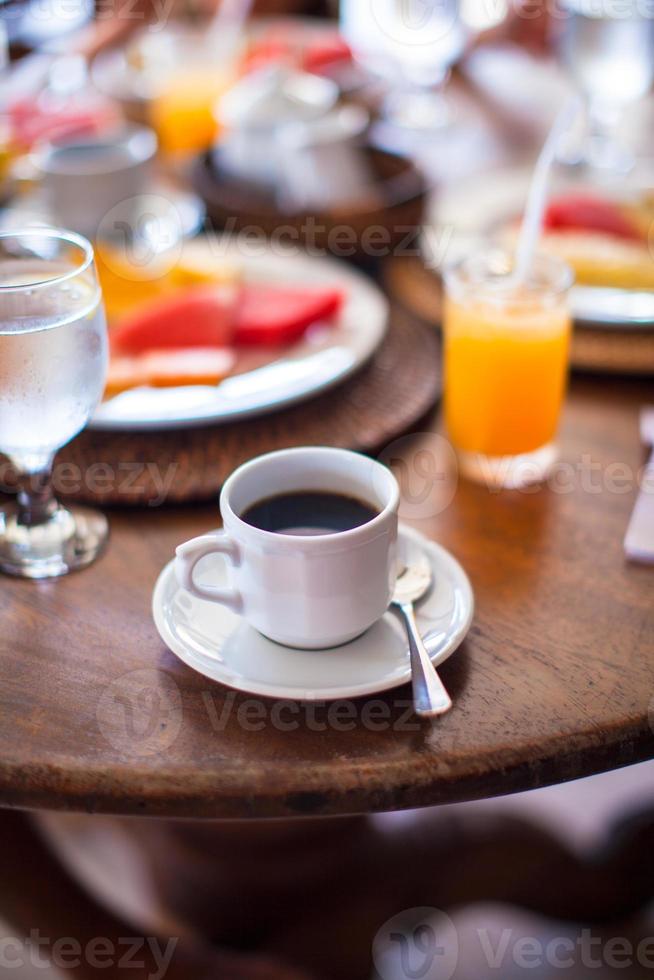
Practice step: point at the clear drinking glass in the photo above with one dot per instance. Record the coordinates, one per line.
(506, 362)
(412, 44)
(608, 49)
(53, 363)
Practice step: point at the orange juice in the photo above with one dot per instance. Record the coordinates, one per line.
(184, 114)
(506, 356)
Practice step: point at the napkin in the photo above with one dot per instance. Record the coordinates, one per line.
(639, 539)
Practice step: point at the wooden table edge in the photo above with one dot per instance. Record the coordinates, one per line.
(306, 791)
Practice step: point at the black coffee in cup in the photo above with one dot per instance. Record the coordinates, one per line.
(309, 512)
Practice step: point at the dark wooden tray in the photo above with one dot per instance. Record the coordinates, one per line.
(393, 208)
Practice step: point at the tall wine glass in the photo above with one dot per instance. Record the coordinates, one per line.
(412, 44)
(608, 48)
(53, 362)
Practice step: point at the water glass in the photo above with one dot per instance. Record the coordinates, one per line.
(412, 44)
(608, 49)
(53, 363)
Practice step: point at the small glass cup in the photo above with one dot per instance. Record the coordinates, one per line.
(412, 46)
(607, 50)
(53, 364)
(506, 358)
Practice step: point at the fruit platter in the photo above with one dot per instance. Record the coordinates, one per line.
(220, 332)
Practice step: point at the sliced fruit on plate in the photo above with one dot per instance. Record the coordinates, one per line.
(641, 213)
(169, 368)
(128, 285)
(284, 45)
(124, 373)
(198, 366)
(33, 119)
(324, 53)
(602, 260)
(183, 337)
(201, 316)
(597, 258)
(207, 316)
(586, 212)
(267, 51)
(201, 268)
(275, 315)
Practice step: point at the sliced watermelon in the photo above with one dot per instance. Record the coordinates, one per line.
(215, 316)
(588, 213)
(326, 52)
(297, 48)
(202, 316)
(274, 315)
(266, 52)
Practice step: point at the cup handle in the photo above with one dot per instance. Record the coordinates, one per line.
(190, 553)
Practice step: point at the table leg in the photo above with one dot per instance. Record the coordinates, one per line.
(48, 919)
(315, 892)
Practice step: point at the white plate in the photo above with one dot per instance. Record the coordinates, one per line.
(220, 645)
(321, 359)
(471, 210)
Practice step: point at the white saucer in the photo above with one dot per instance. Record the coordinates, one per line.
(220, 645)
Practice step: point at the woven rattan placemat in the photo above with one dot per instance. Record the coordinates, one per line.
(615, 350)
(385, 399)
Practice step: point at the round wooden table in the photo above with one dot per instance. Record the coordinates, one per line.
(554, 681)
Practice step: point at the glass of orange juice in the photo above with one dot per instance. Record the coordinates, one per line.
(506, 359)
(183, 115)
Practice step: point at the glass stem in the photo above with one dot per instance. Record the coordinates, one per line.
(35, 499)
(605, 150)
(602, 120)
(418, 106)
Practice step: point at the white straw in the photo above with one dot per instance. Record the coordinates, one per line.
(536, 200)
(231, 15)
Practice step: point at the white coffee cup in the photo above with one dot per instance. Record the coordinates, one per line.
(313, 591)
(89, 180)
